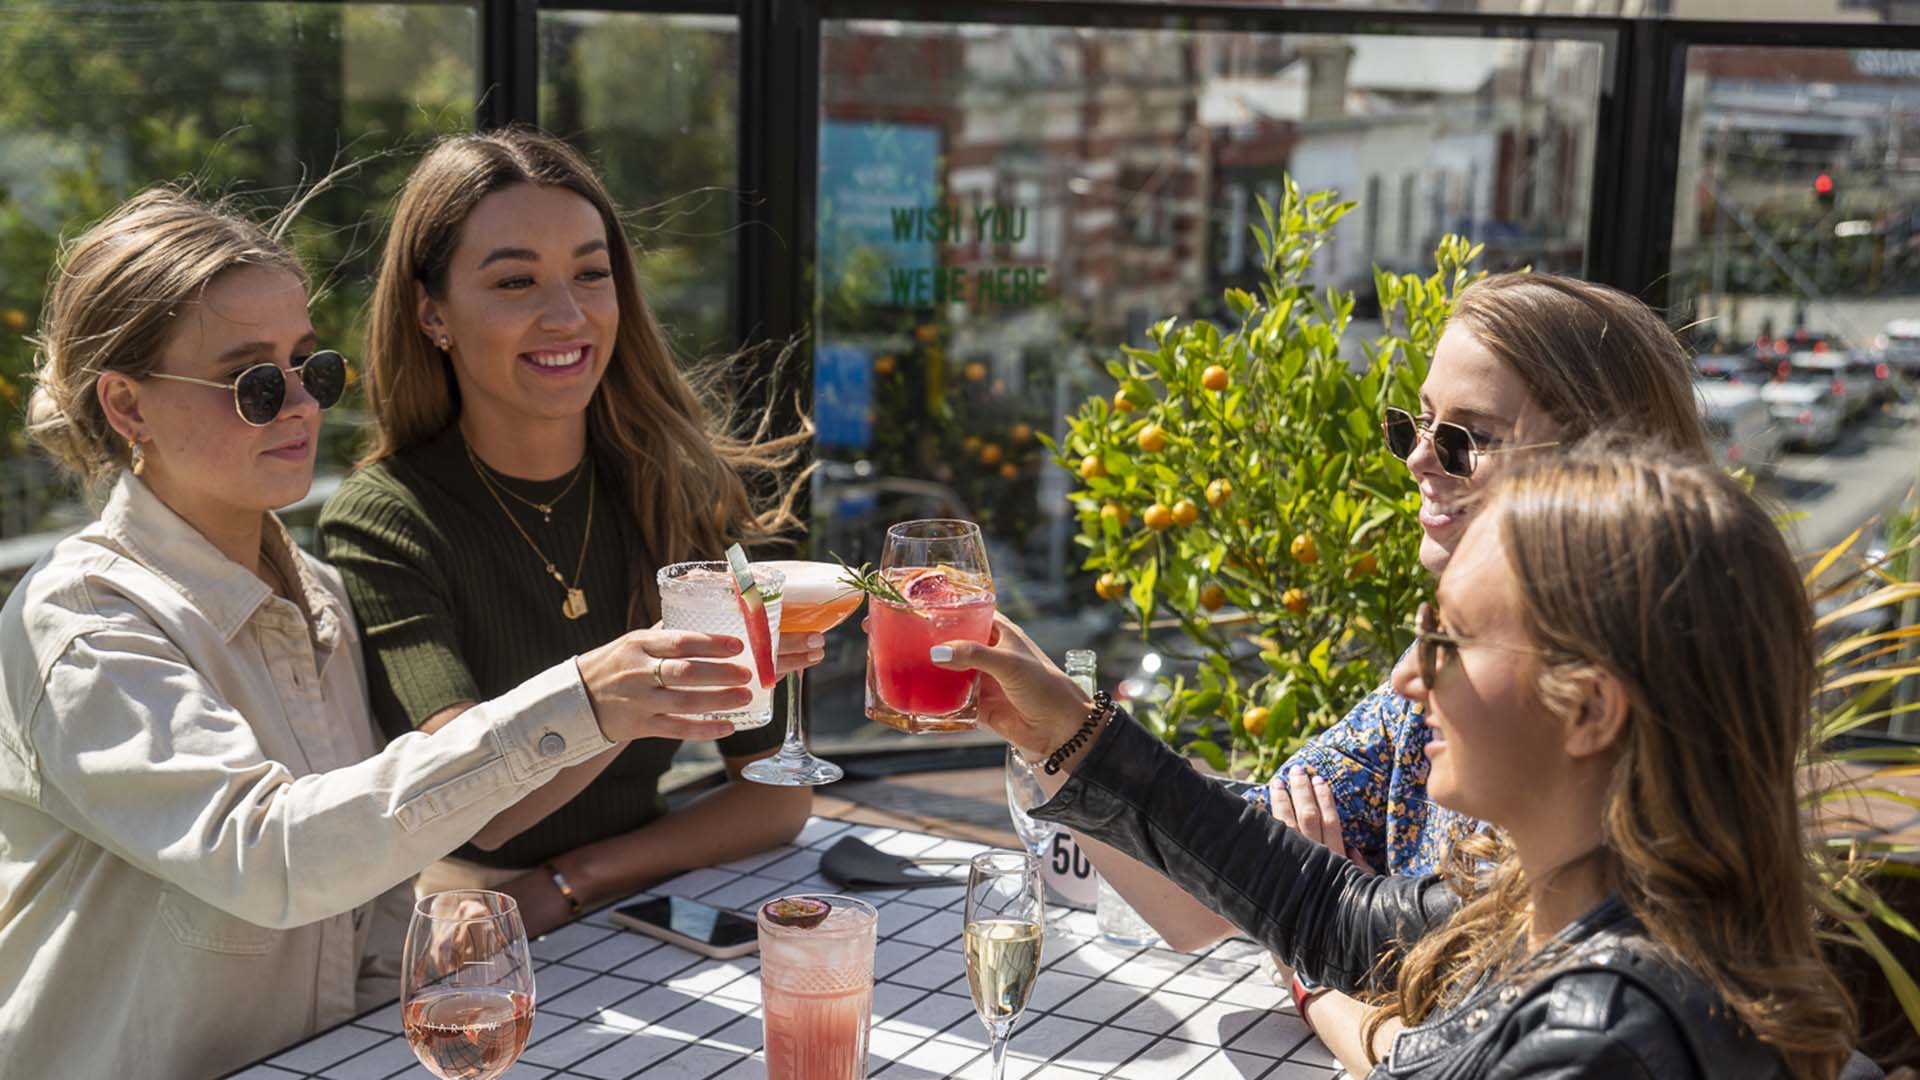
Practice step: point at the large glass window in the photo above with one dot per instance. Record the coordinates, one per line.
(1001, 207)
(100, 100)
(655, 99)
(1796, 269)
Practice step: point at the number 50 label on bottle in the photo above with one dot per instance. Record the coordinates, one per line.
(1068, 872)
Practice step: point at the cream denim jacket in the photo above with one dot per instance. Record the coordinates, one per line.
(196, 815)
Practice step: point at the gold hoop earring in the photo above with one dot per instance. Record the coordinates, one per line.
(136, 460)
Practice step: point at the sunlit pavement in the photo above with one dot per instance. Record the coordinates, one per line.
(1869, 471)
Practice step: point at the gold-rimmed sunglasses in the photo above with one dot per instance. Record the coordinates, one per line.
(1429, 640)
(1455, 447)
(260, 391)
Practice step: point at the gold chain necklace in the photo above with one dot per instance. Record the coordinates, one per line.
(545, 508)
(576, 602)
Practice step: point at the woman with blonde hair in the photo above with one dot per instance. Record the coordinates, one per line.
(204, 848)
(1616, 675)
(536, 457)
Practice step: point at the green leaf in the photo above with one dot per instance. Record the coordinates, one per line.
(1211, 751)
(1142, 592)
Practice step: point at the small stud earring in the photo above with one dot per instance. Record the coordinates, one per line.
(445, 343)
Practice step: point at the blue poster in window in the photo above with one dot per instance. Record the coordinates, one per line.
(875, 181)
(842, 397)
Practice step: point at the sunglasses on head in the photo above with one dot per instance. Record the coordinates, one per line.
(261, 390)
(1454, 446)
(1429, 641)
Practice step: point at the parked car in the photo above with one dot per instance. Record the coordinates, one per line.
(1736, 368)
(1899, 347)
(1853, 386)
(1740, 426)
(1804, 404)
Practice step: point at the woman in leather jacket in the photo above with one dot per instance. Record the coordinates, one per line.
(1616, 676)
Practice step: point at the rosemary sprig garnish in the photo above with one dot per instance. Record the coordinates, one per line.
(870, 581)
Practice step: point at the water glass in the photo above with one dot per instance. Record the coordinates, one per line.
(699, 596)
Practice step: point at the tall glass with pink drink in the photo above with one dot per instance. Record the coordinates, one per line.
(816, 986)
(936, 588)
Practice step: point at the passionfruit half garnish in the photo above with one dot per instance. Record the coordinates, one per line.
(802, 912)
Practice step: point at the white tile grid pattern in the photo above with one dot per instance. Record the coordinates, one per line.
(613, 1004)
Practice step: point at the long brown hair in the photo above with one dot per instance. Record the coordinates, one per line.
(1591, 355)
(674, 446)
(115, 290)
(1668, 577)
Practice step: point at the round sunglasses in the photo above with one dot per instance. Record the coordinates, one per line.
(1455, 447)
(260, 391)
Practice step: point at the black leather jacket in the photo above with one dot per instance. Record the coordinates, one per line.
(1614, 1008)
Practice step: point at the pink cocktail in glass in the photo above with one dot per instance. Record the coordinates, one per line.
(907, 691)
(816, 991)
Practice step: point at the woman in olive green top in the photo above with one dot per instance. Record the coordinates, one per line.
(537, 457)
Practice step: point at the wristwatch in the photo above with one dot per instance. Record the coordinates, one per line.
(1303, 994)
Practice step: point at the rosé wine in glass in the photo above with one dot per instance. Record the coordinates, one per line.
(816, 986)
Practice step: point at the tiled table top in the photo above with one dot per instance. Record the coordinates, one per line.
(616, 1004)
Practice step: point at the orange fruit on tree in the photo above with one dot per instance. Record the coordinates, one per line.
(1215, 378)
(1022, 434)
(1109, 587)
(1009, 471)
(1158, 517)
(1255, 720)
(1304, 550)
(1152, 438)
(970, 444)
(1212, 597)
(976, 371)
(990, 454)
(1121, 403)
(1219, 491)
(1295, 600)
(17, 320)
(1363, 566)
(1185, 513)
(1091, 466)
(883, 366)
(927, 334)
(1116, 513)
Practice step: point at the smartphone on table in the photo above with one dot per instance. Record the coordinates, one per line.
(694, 926)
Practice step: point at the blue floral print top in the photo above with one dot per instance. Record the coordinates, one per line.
(1375, 762)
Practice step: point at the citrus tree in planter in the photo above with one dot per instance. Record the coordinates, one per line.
(1237, 486)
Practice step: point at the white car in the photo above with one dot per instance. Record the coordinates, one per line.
(1804, 405)
(1853, 384)
(1900, 346)
(1740, 426)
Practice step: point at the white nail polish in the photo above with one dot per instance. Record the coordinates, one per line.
(940, 654)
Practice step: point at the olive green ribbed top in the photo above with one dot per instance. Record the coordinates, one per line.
(454, 606)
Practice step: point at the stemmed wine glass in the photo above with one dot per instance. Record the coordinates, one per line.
(466, 984)
(933, 586)
(814, 600)
(1005, 929)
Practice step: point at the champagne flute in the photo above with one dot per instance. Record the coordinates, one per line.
(1023, 794)
(466, 984)
(1006, 927)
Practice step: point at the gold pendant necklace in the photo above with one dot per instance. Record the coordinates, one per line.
(575, 605)
(545, 508)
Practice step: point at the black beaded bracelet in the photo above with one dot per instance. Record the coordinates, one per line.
(1101, 712)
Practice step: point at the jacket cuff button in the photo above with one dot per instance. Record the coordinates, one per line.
(552, 744)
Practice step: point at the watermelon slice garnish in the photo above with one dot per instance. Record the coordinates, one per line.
(753, 612)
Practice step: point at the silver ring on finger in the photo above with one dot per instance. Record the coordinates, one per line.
(659, 675)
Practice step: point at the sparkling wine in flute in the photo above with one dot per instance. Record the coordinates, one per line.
(468, 1034)
(1006, 917)
(1003, 960)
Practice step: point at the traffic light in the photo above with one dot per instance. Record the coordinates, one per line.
(1823, 190)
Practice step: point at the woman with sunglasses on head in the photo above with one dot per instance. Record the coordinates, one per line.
(205, 852)
(1644, 909)
(1527, 362)
(537, 457)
